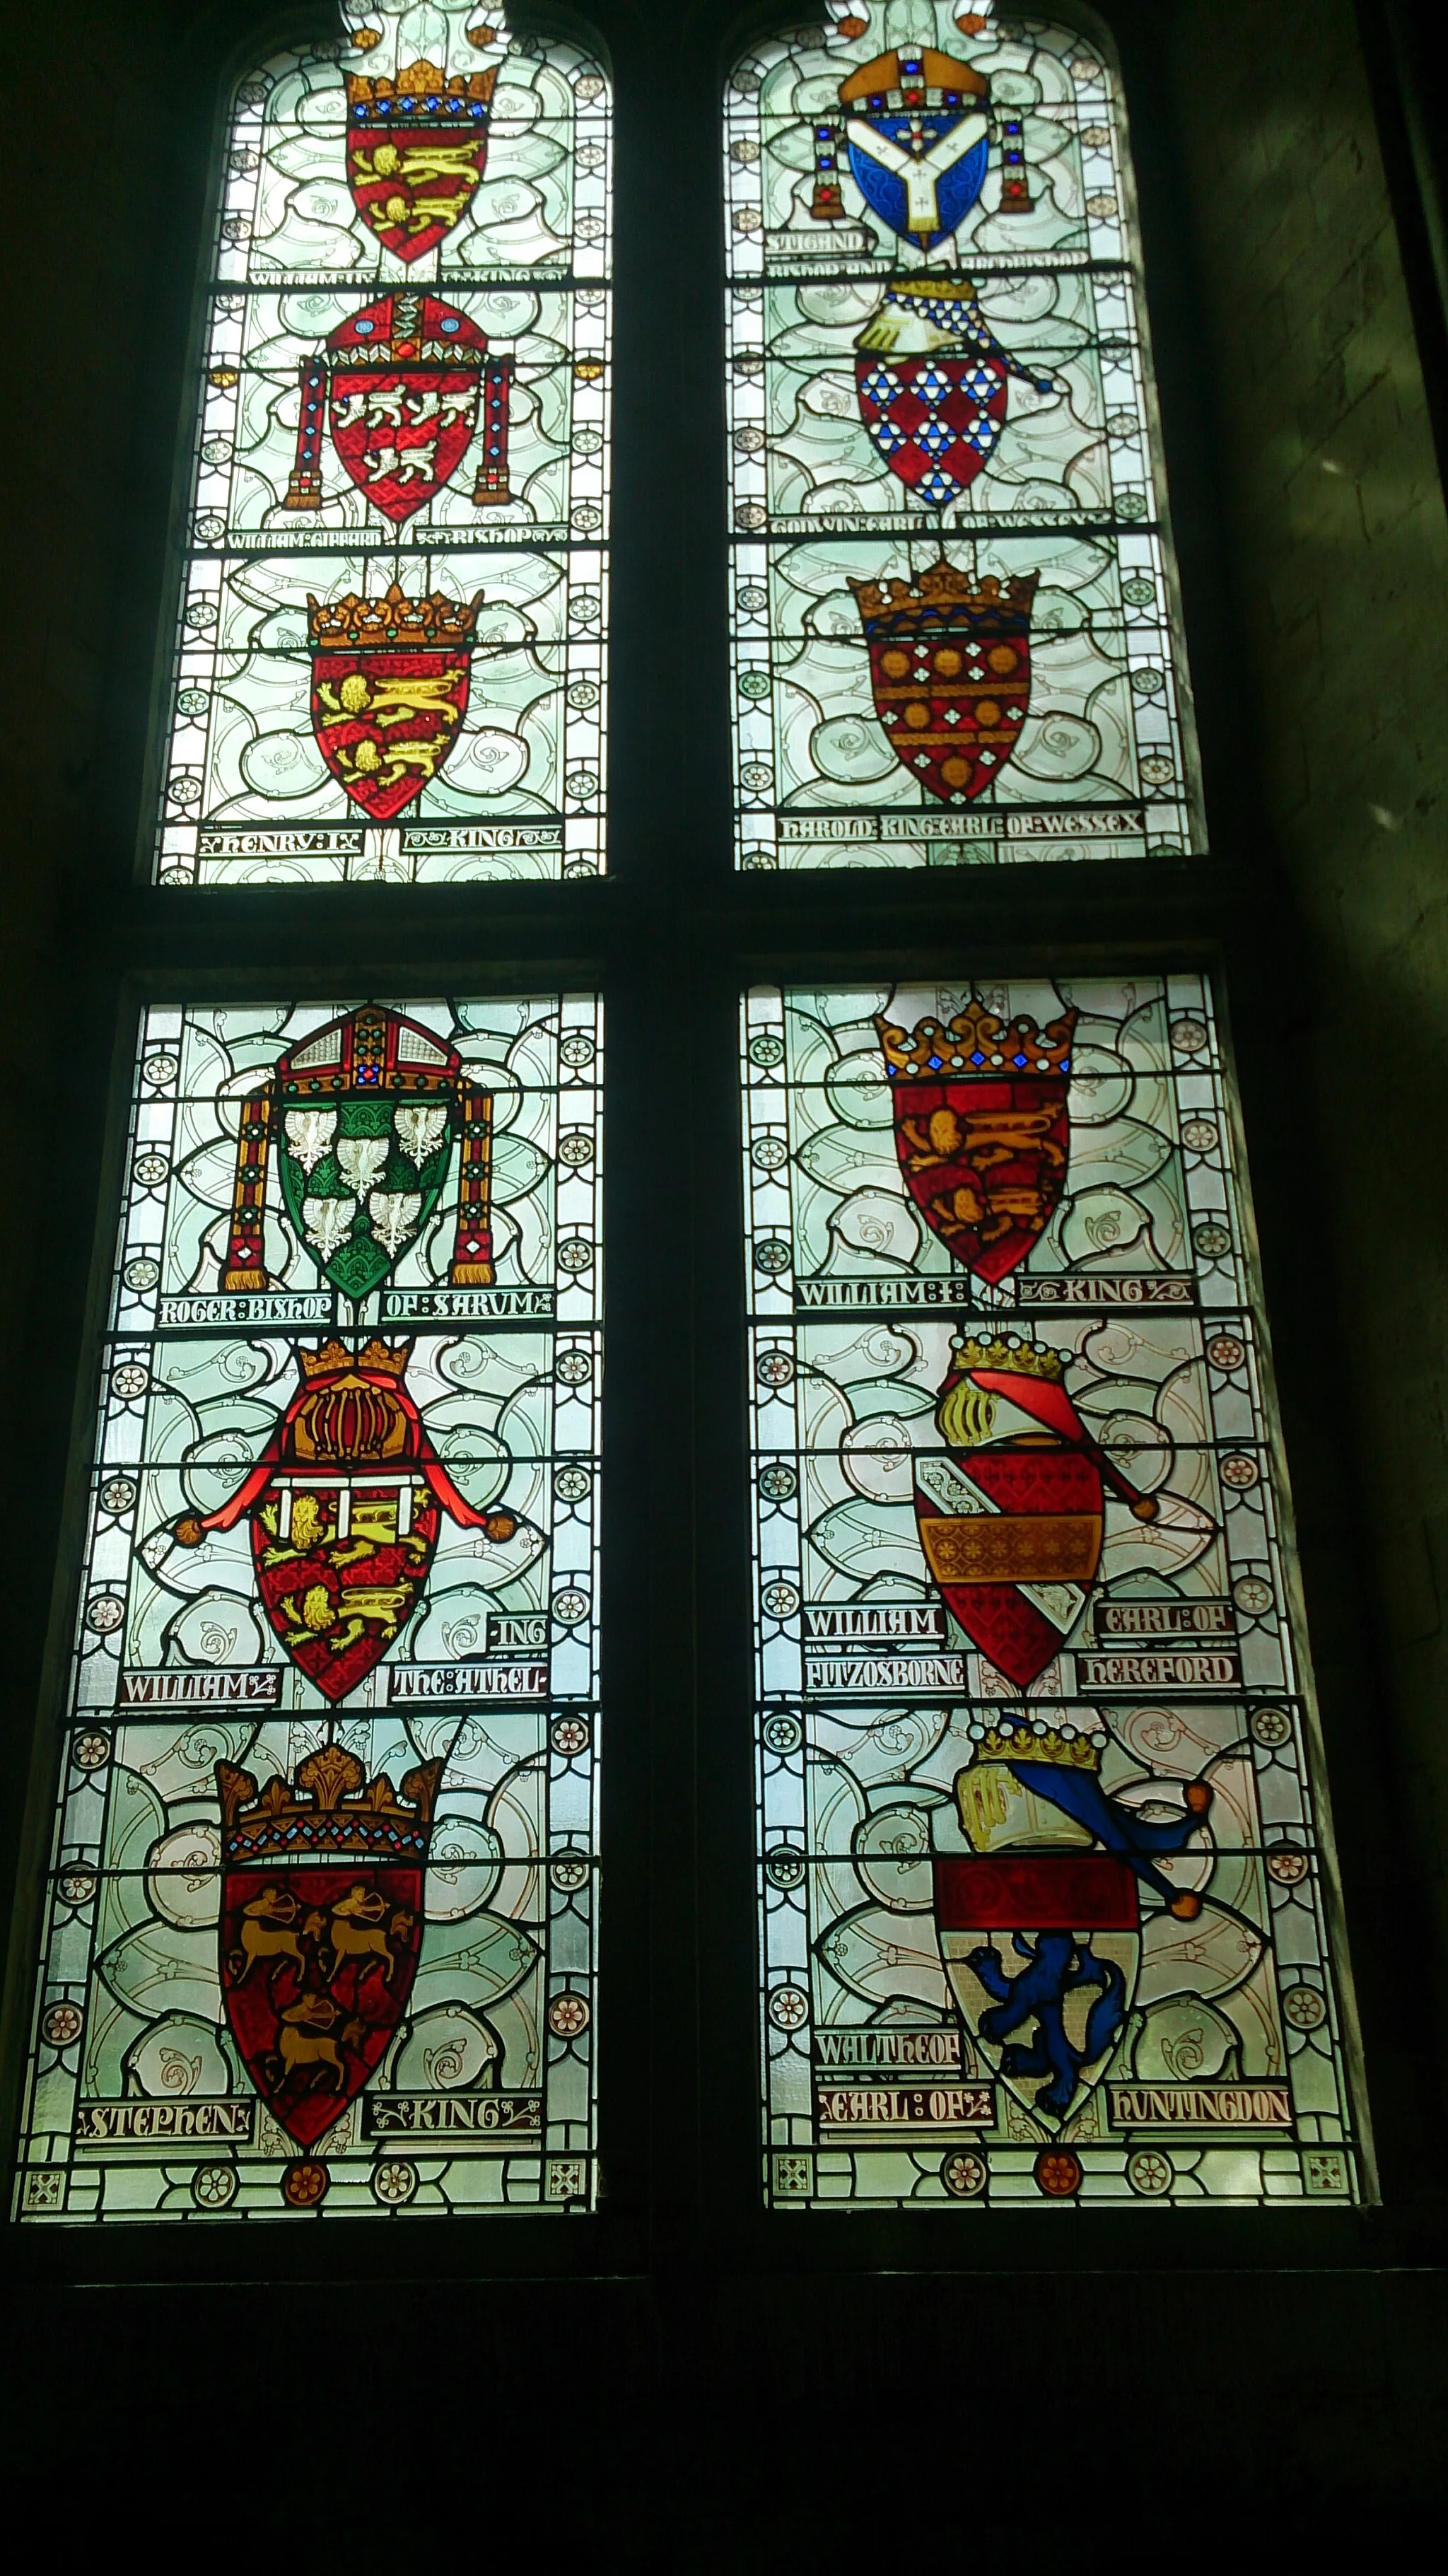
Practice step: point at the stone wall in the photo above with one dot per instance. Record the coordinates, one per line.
(1338, 563)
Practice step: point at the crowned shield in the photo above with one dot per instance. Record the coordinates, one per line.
(345, 1505)
(917, 132)
(321, 1926)
(982, 1129)
(933, 383)
(1039, 1880)
(389, 691)
(416, 150)
(950, 673)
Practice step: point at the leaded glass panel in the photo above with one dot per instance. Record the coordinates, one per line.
(389, 661)
(321, 1911)
(953, 592)
(1045, 1895)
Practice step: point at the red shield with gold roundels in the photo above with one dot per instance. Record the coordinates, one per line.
(950, 672)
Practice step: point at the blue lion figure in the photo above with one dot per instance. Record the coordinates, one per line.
(1058, 1964)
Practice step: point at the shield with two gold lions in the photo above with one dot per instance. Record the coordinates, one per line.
(389, 691)
(321, 1926)
(950, 673)
(416, 150)
(982, 1130)
(345, 1505)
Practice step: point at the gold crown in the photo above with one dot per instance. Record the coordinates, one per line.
(330, 1808)
(333, 1360)
(940, 591)
(392, 623)
(1016, 1740)
(421, 80)
(1021, 1359)
(978, 1041)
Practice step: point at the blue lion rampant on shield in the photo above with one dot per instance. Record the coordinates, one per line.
(1039, 1878)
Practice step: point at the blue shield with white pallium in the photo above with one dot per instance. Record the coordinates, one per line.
(917, 132)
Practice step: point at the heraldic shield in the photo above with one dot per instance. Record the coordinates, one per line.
(918, 135)
(1012, 1528)
(345, 1504)
(364, 1115)
(416, 150)
(1038, 1883)
(932, 383)
(982, 1132)
(389, 691)
(950, 673)
(321, 1926)
(401, 380)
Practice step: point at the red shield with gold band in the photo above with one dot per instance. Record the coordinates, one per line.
(982, 1131)
(950, 672)
(321, 1926)
(345, 1504)
(416, 150)
(389, 692)
(1012, 1537)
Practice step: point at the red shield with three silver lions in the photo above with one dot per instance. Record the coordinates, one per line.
(321, 1927)
(950, 673)
(403, 398)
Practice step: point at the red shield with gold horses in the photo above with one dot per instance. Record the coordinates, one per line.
(982, 1133)
(950, 672)
(389, 691)
(321, 1926)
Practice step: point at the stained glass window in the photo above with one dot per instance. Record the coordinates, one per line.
(953, 594)
(1045, 1889)
(389, 659)
(320, 1916)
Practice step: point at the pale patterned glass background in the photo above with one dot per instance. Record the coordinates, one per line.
(139, 2106)
(246, 795)
(1071, 492)
(1227, 2080)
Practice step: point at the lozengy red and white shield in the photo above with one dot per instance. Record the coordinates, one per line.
(403, 401)
(933, 383)
(950, 673)
(321, 1927)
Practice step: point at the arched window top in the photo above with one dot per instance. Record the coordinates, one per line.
(954, 592)
(389, 657)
